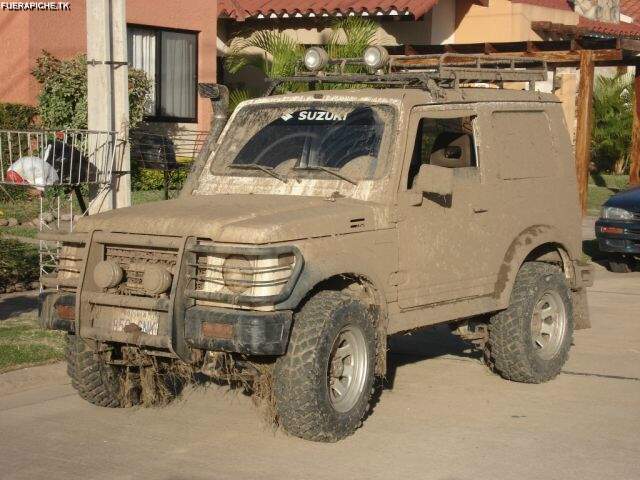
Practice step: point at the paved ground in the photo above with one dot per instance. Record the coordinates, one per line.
(445, 417)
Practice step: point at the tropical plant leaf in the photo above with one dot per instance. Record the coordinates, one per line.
(351, 36)
(613, 119)
(238, 96)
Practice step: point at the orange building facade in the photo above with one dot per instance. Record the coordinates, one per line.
(182, 35)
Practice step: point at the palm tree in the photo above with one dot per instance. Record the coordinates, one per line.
(613, 118)
(280, 55)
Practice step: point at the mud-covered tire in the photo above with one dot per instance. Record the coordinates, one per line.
(512, 350)
(95, 381)
(305, 406)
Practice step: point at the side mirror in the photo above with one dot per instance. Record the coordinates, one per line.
(434, 179)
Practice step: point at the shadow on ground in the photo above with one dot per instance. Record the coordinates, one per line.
(17, 304)
(590, 248)
(425, 344)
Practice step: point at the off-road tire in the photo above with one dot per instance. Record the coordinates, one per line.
(621, 264)
(510, 351)
(95, 381)
(303, 405)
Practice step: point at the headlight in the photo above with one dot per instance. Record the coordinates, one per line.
(613, 213)
(260, 273)
(107, 274)
(315, 59)
(376, 57)
(237, 273)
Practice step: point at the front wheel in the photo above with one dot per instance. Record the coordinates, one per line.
(95, 381)
(530, 341)
(324, 383)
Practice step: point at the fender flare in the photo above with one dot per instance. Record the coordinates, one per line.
(526, 242)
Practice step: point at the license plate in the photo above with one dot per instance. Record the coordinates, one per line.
(147, 321)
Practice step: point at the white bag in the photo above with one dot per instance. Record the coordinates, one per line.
(33, 171)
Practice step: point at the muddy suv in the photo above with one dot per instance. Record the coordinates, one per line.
(319, 223)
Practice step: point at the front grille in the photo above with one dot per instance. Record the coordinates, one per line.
(132, 260)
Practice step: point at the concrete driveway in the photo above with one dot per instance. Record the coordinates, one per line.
(445, 417)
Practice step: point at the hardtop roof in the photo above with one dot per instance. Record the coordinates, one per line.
(414, 95)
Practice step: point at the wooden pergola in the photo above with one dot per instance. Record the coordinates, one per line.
(568, 46)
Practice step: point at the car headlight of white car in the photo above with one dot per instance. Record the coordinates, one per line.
(614, 213)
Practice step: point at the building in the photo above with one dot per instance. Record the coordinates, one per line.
(175, 45)
(574, 37)
(444, 25)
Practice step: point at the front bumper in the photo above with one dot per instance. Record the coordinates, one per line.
(241, 331)
(206, 328)
(56, 311)
(626, 241)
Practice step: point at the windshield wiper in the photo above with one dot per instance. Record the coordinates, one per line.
(332, 171)
(256, 166)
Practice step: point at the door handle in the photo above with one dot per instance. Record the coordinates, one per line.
(480, 210)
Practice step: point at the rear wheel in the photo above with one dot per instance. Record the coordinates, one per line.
(530, 341)
(95, 381)
(324, 383)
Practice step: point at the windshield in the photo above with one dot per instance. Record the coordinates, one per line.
(291, 141)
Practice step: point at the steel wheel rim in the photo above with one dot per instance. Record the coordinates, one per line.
(548, 325)
(347, 369)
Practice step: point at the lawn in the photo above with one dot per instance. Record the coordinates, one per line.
(601, 187)
(23, 343)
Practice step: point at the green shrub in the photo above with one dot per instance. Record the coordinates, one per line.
(15, 116)
(613, 118)
(63, 98)
(19, 262)
(144, 179)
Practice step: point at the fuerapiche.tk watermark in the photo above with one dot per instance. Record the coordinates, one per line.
(36, 6)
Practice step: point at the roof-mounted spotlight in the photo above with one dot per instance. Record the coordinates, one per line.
(315, 59)
(376, 57)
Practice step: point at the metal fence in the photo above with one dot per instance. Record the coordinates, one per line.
(44, 158)
(169, 152)
(57, 167)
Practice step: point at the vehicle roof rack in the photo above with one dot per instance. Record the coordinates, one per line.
(431, 72)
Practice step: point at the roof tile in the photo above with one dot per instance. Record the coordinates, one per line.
(241, 9)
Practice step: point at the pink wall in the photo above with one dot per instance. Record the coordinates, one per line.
(23, 35)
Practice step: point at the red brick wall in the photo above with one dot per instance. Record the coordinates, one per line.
(23, 35)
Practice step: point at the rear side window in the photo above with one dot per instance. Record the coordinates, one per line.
(524, 145)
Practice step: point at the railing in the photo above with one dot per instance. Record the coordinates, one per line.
(45, 158)
(54, 166)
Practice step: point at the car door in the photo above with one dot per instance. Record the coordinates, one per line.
(444, 240)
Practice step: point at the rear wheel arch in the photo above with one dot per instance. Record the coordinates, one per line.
(539, 243)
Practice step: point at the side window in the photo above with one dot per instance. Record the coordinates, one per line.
(530, 151)
(446, 142)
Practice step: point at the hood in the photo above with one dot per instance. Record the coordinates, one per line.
(255, 219)
(628, 200)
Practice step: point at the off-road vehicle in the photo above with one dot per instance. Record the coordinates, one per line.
(318, 223)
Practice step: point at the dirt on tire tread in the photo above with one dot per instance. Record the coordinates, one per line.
(507, 346)
(90, 378)
(299, 407)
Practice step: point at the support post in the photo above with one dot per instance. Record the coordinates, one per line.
(634, 171)
(584, 107)
(122, 181)
(108, 93)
